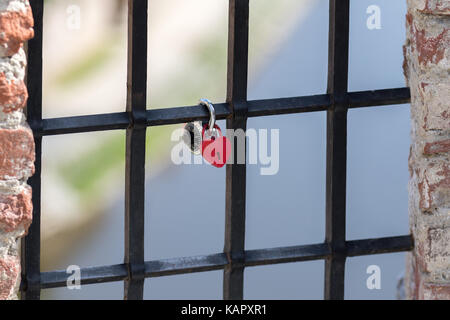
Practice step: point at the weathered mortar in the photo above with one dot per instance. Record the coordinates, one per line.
(427, 69)
(16, 141)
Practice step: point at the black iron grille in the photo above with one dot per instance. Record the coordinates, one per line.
(236, 110)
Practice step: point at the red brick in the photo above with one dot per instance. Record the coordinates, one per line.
(16, 210)
(17, 27)
(436, 7)
(9, 274)
(13, 94)
(431, 49)
(433, 291)
(16, 153)
(437, 147)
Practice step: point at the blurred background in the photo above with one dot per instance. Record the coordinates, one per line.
(83, 174)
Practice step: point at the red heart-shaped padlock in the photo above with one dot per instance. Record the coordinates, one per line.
(215, 147)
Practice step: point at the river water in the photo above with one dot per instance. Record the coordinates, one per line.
(185, 204)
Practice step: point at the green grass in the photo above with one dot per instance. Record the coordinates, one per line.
(84, 173)
(94, 61)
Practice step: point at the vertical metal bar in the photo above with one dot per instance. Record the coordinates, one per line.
(337, 148)
(135, 149)
(233, 284)
(31, 244)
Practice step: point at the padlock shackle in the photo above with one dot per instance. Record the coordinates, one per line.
(212, 112)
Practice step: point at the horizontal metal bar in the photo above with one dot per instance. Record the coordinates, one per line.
(218, 261)
(379, 246)
(158, 117)
(286, 254)
(185, 265)
(256, 108)
(90, 275)
(379, 97)
(89, 123)
(270, 107)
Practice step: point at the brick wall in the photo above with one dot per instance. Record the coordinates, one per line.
(16, 141)
(427, 69)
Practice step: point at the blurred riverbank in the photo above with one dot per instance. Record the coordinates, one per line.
(85, 62)
(183, 217)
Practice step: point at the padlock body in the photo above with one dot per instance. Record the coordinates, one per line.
(215, 147)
